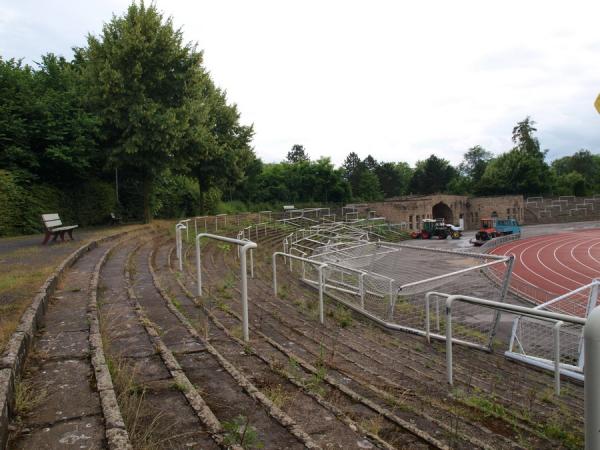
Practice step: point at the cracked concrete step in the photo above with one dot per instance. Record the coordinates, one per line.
(221, 392)
(158, 413)
(328, 430)
(58, 383)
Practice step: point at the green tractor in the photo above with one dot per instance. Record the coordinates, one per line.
(431, 228)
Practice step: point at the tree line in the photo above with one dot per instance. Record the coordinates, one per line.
(521, 170)
(135, 107)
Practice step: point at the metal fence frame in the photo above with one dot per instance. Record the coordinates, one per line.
(178, 244)
(319, 266)
(496, 242)
(556, 318)
(544, 363)
(245, 246)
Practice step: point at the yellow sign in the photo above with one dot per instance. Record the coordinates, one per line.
(597, 103)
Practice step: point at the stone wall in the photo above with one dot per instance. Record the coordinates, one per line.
(562, 209)
(506, 206)
(452, 208)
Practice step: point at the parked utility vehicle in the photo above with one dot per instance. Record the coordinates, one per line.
(494, 227)
(437, 228)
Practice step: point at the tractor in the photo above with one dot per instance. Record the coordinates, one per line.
(437, 228)
(493, 227)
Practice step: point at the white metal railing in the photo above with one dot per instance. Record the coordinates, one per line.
(178, 244)
(591, 393)
(245, 246)
(217, 217)
(352, 286)
(556, 318)
(530, 340)
(318, 265)
(496, 242)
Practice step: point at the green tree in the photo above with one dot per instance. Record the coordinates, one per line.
(582, 162)
(432, 175)
(572, 183)
(394, 178)
(473, 165)
(16, 110)
(146, 85)
(370, 163)
(522, 170)
(44, 131)
(525, 141)
(368, 187)
(516, 172)
(297, 154)
(222, 154)
(351, 167)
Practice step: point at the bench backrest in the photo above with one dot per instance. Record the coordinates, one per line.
(51, 220)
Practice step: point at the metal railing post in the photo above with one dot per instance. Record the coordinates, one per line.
(321, 283)
(177, 241)
(392, 302)
(503, 293)
(246, 245)
(245, 248)
(427, 296)
(198, 266)
(251, 263)
(591, 333)
(592, 301)
(361, 287)
(179, 244)
(275, 274)
(449, 340)
(556, 336)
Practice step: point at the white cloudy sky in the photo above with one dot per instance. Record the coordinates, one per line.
(399, 80)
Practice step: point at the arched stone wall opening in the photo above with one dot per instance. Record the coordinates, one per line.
(441, 210)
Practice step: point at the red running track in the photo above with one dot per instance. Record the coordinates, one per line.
(554, 264)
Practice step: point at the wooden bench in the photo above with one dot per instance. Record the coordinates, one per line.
(114, 219)
(53, 226)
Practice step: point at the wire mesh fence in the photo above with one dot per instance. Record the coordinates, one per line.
(532, 340)
(389, 282)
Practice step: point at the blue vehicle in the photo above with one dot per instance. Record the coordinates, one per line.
(494, 227)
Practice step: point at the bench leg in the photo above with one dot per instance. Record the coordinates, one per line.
(48, 234)
(55, 235)
(71, 234)
(62, 236)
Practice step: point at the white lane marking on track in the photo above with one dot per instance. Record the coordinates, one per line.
(594, 270)
(531, 242)
(518, 245)
(537, 256)
(577, 241)
(590, 254)
(529, 246)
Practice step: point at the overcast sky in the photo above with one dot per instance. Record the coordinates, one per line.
(398, 80)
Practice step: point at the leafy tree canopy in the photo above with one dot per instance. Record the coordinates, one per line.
(297, 154)
(432, 175)
(146, 84)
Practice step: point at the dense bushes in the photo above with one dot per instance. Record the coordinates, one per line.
(22, 204)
